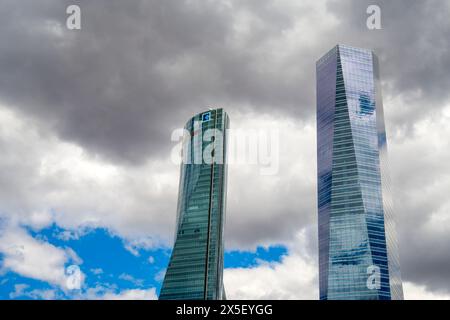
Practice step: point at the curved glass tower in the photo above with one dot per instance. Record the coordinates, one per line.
(195, 268)
(358, 254)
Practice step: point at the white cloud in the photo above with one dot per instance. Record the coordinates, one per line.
(133, 294)
(75, 190)
(288, 197)
(45, 179)
(73, 256)
(418, 292)
(19, 290)
(79, 191)
(159, 277)
(49, 180)
(37, 294)
(34, 258)
(130, 278)
(105, 293)
(294, 277)
(55, 181)
(97, 271)
(133, 245)
(420, 169)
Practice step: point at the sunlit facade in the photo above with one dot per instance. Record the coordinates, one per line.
(358, 253)
(195, 270)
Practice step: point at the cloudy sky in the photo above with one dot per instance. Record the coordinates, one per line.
(86, 118)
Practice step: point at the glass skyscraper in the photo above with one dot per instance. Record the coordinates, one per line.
(195, 270)
(358, 253)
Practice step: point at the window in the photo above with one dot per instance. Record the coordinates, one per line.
(206, 116)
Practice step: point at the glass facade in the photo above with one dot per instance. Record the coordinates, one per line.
(358, 254)
(195, 270)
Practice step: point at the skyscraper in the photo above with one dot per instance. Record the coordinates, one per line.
(195, 268)
(358, 254)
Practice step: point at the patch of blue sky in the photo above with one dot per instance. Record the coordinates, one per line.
(248, 259)
(14, 286)
(107, 263)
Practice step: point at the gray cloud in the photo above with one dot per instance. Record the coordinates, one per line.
(139, 69)
(413, 47)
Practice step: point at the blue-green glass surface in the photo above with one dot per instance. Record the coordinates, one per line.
(195, 269)
(356, 227)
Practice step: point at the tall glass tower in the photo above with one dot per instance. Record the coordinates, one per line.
(358, 253)
(195, 270)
